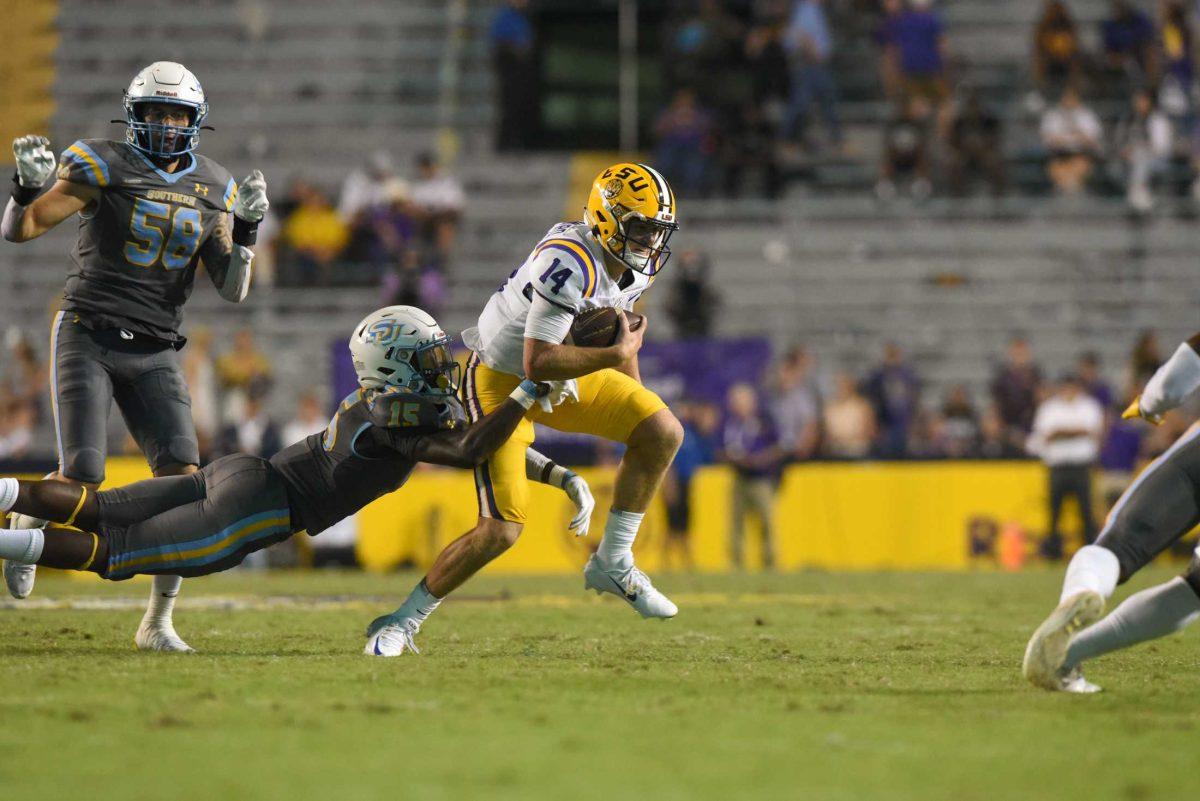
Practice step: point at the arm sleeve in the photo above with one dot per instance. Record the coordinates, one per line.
(229, 266)
(81, 164)
(1172, 382)
(542, 469)
(548, 321)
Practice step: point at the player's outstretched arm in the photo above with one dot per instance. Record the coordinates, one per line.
(28, 216)
(1170, 385)
(547, 360)
(227, 255)
(468, 446)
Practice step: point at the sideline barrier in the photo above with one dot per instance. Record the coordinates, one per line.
(836, 516)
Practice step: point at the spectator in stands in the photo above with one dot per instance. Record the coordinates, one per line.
(958, 425)
(1144, 360)
(24, 375)
(749, 143)
(309, 419)
(1119, 453)
(18, 417)
(1015, 389)
(849, 421)
(1072, 136)
(1066, 436)
(692, 303)
(1176, 44)
(701, 423)
(1056, 51)
(366, 188)
(1088, 370)
(890, 77)
(1143, 148)
(767, 64)
(809, 45)
(906, 142)
(314, 236)
(750, 444)
(511, 37)
(243, 366)
(975, 147)
(200, 372)
(894, 391)
(995, 439)
(705, 43)
(796, 405)
(437, 205)
(1128, 39)
(684, 132)
(253, 431)
(920, 45)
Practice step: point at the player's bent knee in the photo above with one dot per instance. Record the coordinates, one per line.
(181, 451)
(498, 535)
(661, 431)
(83, 465)
(1123, 540)
(175, 469)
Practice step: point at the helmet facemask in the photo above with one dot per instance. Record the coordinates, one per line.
(641, 243)
(436, 366)
(160, 140)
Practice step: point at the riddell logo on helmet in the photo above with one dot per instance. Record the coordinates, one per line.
(166, 94)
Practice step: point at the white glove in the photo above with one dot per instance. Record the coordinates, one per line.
(581, 495)
(560, 392)
(251, 203)
(35, 162)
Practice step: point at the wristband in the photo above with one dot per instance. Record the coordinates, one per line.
(24, 195)
(525, 394)
(245, 233)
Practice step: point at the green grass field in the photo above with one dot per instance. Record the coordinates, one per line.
(803, 686)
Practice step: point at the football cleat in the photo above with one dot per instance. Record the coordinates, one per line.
(1047, 649)
(152, 636)
(392, 639)
(19, 577)
(630, 584)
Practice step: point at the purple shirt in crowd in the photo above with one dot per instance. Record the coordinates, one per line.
(918, 35)
(746, 439)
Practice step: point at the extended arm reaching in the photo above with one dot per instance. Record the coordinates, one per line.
(1170, 385)
(468, 446)
(542, 469)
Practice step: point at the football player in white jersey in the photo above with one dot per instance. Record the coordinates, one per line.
(607, 260)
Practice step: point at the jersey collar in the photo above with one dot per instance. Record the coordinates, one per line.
(169, 177)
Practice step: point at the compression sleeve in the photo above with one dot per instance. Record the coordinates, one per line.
(1172, 382)
(548, 321)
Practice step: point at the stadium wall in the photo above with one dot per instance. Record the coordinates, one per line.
(836, 516)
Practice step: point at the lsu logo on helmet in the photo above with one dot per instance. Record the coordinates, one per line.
(631, 212)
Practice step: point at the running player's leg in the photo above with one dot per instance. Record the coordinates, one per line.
(80, 399)
(614, 406)
(1157, 509)
(153, 398)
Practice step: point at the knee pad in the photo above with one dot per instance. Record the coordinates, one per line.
(180, 450)
(85, 465)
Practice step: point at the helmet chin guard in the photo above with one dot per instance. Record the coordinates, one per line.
(171, 83)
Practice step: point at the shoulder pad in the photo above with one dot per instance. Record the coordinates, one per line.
(222, 189)
(397, 408)
(565, 271)
(86, 162)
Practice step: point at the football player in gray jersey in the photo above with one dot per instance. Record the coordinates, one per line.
(1160, 507)
(150, 209)
(405, 412)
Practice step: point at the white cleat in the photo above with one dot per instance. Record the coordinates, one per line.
(19, 577)
(1047, 649)
(630, 584)
(1074, 682)
(160, 637)
(391, 638)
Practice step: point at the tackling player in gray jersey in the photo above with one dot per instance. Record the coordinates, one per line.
(1161, 506)
(150, 211)
(404, 412)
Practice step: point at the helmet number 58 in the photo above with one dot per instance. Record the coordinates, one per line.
(162, 235)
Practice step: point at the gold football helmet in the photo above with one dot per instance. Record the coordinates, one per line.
(631, 211)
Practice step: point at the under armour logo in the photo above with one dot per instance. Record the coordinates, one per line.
(201, 189)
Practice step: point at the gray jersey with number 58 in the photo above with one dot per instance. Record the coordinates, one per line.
(135, 260)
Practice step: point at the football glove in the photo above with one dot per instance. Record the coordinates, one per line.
(251, 203)
(1135, 411)
(560, 392)
(581, 495)
(35, 162)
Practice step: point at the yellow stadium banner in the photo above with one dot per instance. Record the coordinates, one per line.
(852, 516)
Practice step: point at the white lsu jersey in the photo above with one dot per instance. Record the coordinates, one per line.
(566, 270)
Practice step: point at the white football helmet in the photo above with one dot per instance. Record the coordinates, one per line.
(402, 346)
(164, 82)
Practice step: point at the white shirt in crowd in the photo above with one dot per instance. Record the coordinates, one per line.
(1071, 128)
(439, 194)
(1081, 413)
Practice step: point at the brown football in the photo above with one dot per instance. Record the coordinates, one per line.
(597, 328)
